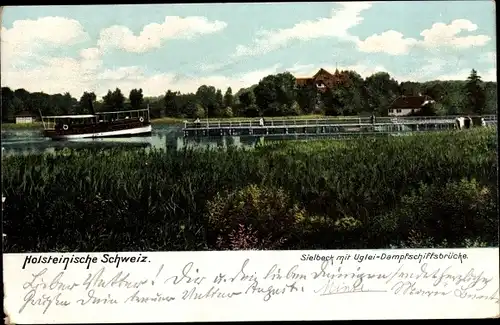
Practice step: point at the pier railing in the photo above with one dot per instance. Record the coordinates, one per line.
(329, 121)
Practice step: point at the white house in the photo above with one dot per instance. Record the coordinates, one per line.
(24, 117)
(406, 105)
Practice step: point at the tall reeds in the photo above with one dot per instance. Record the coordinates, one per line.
(360, 193)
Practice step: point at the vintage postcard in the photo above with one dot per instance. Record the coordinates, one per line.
(244, 162)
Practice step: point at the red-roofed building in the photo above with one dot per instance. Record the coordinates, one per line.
(323, 79)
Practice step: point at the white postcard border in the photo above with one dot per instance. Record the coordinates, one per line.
(410, 285)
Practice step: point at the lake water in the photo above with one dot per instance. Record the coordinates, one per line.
(31, 141)
(16, 141)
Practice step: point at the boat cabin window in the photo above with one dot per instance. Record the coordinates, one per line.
(75, 121)
(105, 117)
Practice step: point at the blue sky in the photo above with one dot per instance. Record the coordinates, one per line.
(180, 47)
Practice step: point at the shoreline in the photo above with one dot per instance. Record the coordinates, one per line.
(178, 121)
(166, 121)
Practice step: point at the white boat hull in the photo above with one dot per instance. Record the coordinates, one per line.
(127, 132)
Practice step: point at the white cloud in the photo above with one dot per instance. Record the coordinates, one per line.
(85, 74)
(133, 77)
(91, 53)
(59, 75)
(27, 37)
(390, 42)
(153, 35)
(438, 36)
(447, 35)
(337, 25)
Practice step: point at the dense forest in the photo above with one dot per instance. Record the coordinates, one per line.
(274, 95)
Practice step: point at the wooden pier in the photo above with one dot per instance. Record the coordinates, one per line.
(323, 126)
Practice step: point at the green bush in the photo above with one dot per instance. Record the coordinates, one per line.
(264, 213)
(453, 213)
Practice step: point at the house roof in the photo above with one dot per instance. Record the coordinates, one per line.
(322, 71)
(329, 79)
(410, 101)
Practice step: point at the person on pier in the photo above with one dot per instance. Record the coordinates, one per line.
(261, 121)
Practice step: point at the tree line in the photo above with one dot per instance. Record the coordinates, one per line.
(274, 95)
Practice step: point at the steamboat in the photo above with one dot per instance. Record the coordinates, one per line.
(97, 125)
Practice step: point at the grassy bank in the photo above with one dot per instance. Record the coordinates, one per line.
(163, 121)
(427, 190)
(22, 126)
